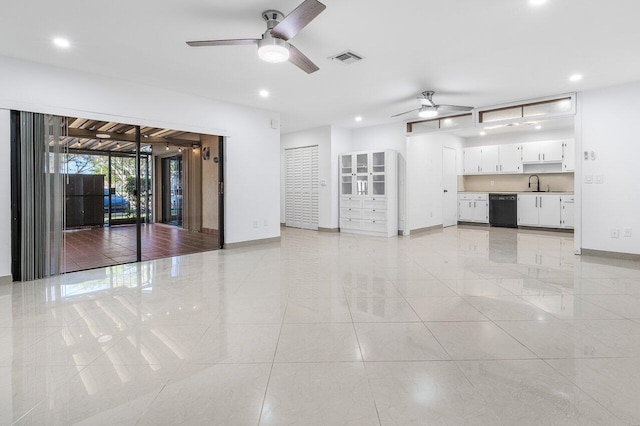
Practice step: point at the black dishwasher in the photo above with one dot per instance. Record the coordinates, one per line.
(503, 210)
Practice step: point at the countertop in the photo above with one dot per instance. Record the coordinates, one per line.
(517, 192)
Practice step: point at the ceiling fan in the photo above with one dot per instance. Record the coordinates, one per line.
(274, 45)
(429, 109)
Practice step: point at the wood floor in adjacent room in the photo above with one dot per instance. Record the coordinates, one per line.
(98, 247)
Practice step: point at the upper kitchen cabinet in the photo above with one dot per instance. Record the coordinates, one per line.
(472, 160)
(511, 158)
(490, 159)
(569, 156)
(542, 152)
(493, 159)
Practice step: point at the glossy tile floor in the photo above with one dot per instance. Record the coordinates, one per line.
(462, 326)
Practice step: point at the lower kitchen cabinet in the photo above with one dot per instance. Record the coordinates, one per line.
(539, 210)
(566, 213)
(473, 208)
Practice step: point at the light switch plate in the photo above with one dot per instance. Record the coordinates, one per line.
(600, 179)
(615, 233)
(627, 232)
(588, 179)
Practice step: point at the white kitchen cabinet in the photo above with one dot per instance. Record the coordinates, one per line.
(542, 152)
(549, 210)
(465, 209)
(539, 210)
(566, 213)
(528, 210)
(490, 159)
(472, 160)
(473, 208)
(369, 193)
(510, 158)
(568, 156)
(493, 159)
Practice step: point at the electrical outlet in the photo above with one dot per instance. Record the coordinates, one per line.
(588, 179)
(615, 233)
(255, 224)
(492, 183)
(627, 232)
(599, 179)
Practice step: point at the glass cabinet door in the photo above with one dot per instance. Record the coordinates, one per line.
(378, 184)
(346, 164)
(346, 183)
(362, 185)
(362, 161)
(377, 162)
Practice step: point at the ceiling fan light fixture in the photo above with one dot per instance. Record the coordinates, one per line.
(272, 49)
(427, 112)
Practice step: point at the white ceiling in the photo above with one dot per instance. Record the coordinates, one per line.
(470, 52)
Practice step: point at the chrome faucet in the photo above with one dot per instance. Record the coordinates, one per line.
(537, 181)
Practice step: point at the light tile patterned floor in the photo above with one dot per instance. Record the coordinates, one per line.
(468, 325)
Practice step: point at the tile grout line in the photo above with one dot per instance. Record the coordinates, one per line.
(364, 364)
(273, 362)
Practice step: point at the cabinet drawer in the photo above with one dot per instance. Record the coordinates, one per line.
(375, 203)
(374, 225)
(350, 213)
(374, 214)
(480, 197)
(350, 224)
(346, 202)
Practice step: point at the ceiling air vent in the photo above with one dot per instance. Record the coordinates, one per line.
(347, 57)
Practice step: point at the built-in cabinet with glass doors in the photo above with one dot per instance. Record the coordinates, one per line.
(369, 193)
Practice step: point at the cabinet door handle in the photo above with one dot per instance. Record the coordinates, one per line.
(542, 157)
(538, 157)
(540, 201)
(469, 203)
(474, 204)
(536, 202)
(496, 167)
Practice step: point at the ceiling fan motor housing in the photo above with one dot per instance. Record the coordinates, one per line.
(272, 17)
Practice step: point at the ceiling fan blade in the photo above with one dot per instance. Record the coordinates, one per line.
(298, 59)
(232, 42)
(452, 108)
(306, 12)
(403, 113)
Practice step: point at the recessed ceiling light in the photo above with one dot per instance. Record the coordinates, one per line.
(538, 127)
(61, 42)
(264, 93)
(483, 133)
(358, 118)
(537, 2)
(575, 77)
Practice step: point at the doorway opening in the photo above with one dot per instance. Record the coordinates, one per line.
(105, 197)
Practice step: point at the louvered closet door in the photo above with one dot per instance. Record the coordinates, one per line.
(301, 187)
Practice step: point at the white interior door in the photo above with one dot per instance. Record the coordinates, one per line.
(301, 187)
(450, 188)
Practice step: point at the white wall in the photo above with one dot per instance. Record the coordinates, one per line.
(5, 194)
(252, 150)
(424, 177)
(387, 136)
(321, 137)
(609, 127)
